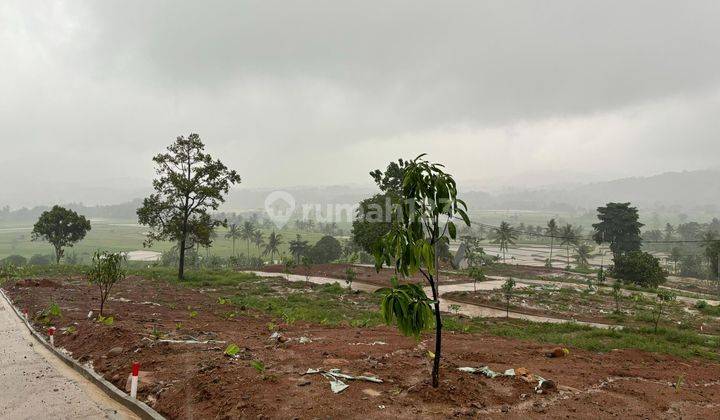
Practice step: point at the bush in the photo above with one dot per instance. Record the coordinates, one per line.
(640, 268)
(38, 259)
(327, 249)
(16, 260)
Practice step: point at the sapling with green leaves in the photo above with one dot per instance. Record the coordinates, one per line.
(288, 266)
(476, 274)
(664, 297)
(617, 294)
(307, 266)
(105, 273)
(507, 291)
(424, 221)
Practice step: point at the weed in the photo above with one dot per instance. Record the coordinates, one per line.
(106, 320)
(258, 365)
(232, 350)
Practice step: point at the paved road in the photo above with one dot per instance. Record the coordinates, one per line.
(34, 384)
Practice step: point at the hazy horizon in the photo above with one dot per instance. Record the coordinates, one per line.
(505, 94)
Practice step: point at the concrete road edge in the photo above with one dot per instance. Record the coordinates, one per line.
(137, 407)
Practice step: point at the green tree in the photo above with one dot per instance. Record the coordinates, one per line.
(373, 220)
(374, 216)
(505, 235)
(429, 204)
(675, 256)
(273, 245)
(298, 248)
(190, 183)
(326, 250)
(247, 233)
(105, 273)
(711, 246)
(233, 234)
(640, 268)
(552, 231)
(618, 226)
(62, 228)
(507, 291)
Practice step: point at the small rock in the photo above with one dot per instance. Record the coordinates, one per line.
(371, 392)
(115, 351)
(303, 382)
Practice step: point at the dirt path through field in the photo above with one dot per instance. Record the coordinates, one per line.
(34, 384)
(464, 308)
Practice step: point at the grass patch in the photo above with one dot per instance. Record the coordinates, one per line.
(670, 341)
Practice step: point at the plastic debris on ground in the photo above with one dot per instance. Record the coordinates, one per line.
(335, 375)
(520, 373)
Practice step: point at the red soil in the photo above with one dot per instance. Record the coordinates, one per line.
(197, 380)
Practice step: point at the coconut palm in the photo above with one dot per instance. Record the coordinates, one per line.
(552, 231)
(298, 248)
(504, 235)
(246, 233)
(568, 238)
(258, 239)
(583, 253)
(273, 245)
(233, 234)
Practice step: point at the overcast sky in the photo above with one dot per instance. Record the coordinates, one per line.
(320, 92)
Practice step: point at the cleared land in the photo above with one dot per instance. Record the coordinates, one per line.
(153, 316)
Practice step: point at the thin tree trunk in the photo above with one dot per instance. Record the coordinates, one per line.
(552, 240)
(435, 286)
(181, 265)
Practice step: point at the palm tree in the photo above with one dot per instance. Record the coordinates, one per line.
(569, 237)
(551, 230)
(675, 256)
(246, 232)
(258, 239)
(298, 248)
(505, 235)
(273, 245)
(583, 253)
(234, 234)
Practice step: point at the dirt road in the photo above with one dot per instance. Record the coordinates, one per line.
(463, 308)
(34, 384)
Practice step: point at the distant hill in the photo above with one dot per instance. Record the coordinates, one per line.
(687, 191)
(690, 192)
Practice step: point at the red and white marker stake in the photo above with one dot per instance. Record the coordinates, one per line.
(134, 379)
(51, 333)
(25, 312)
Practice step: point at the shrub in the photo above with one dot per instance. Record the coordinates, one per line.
(38, 259)
(16, 260)
(105, 273)
(640, 268)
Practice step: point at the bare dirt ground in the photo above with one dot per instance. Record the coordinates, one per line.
(371, 276)
(198, 380)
